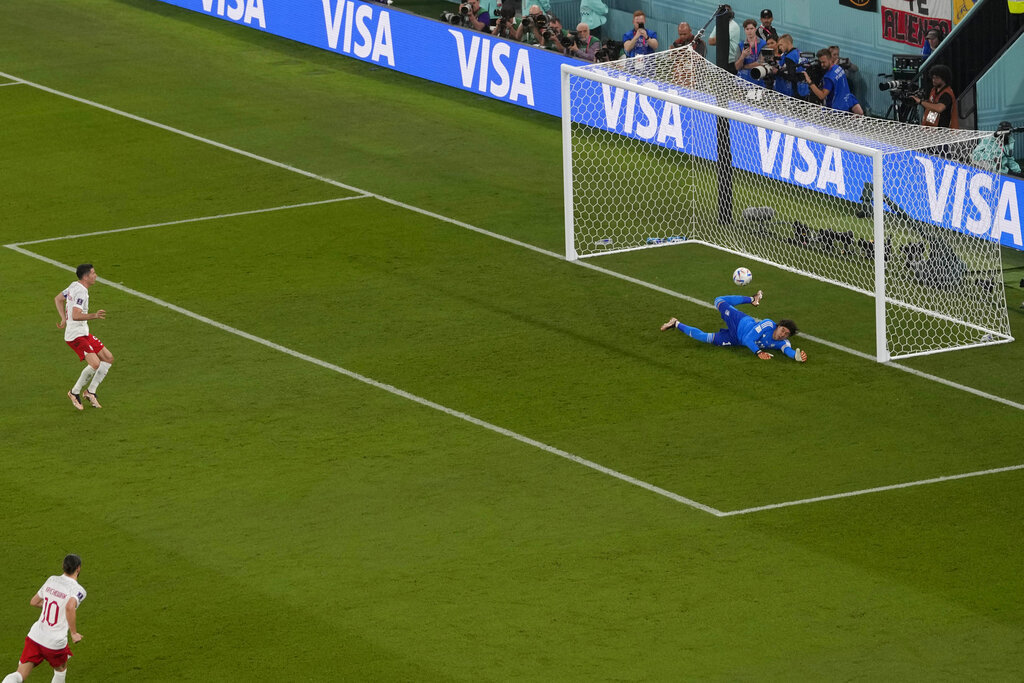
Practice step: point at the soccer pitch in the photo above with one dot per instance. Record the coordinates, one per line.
(364, 423)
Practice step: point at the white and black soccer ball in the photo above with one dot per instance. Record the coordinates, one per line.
(742, 276)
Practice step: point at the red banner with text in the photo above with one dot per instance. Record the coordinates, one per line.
(907, 21)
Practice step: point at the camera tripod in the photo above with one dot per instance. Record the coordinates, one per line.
(902, 109)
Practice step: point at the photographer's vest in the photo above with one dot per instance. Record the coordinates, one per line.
(931, 118)
(786, 87)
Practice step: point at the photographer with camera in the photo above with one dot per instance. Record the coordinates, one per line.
(505, 26)
(639, 41)
(940, 107)
(686, 37)
(555, 37)
(475, 18)
(995, 153)
(583, 45)
(835, 89)
(750, 54)
(790, 73)
(532, 26)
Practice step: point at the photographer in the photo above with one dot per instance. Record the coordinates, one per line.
(790, 74)
(686, 37)
(750, 53)
(857, 84)
(940, 107)
(584, 46)
(532, 26)
(639, 41)
(505, 26)
(995, 153)
(835, 89)
(555, 37)
(473, 17)
(931, 41)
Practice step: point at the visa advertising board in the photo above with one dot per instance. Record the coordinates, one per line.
(928, 188)
(439, 52)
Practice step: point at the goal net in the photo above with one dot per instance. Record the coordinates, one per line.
(668, 149)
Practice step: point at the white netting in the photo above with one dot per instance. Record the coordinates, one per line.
(667, 148)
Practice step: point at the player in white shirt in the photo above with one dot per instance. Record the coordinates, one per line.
(58, 599)
(73, 307)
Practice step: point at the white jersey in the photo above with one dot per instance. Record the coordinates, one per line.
(51, 631)
(76, 296)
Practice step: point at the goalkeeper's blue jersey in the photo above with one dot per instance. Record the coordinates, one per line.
(756, 335)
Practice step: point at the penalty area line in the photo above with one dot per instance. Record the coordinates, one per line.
(539, 250)
(388, 388)
(877, 489)
(191, 220)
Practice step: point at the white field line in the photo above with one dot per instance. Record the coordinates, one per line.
(192, 220)
(388, 388)
(14, 83)
(877, 489)
(584, 264)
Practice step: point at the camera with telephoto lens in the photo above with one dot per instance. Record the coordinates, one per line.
(812, 65)
(609, 52)
(568, 40)
(761, 71)
(897, 87)
(451, 18)
(902, 91)
(465, 9)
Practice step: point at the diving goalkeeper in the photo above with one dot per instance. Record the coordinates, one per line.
(759, 336)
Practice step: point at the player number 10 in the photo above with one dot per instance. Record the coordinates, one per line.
(51, 612)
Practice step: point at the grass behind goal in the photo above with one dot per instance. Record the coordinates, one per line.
(242, 512)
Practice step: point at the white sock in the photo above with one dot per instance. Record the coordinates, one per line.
(101, 372)
(13, 678)
(83, 379)
(58, 676)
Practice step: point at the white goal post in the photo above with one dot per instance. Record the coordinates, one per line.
(667, 149)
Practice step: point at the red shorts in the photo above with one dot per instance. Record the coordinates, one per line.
(84, 345)
(36, 653)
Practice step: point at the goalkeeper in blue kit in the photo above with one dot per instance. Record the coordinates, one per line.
(760, 336)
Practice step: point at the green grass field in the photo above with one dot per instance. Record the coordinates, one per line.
(351, 438)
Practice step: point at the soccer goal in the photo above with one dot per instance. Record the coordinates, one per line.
(667, 149)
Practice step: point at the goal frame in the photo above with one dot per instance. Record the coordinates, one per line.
(877, 156)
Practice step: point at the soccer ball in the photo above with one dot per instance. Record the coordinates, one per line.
(742, 276)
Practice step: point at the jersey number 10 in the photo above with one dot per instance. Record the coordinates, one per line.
(51, 612)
